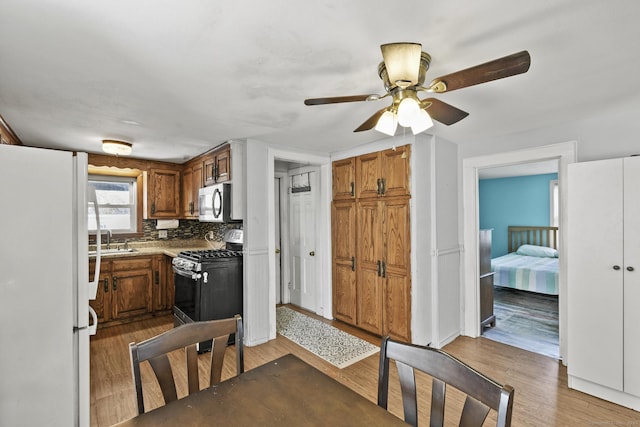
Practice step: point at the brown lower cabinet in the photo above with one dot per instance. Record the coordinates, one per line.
(130, 288)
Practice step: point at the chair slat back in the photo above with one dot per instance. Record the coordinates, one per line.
(186, 337)
(483, 394)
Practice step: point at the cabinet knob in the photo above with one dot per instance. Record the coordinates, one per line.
(312, 253)
(630, 269)
(616, 267)
(114, 281)
(106, 285)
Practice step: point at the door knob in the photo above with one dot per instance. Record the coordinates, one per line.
(312, 253)
(277, 251)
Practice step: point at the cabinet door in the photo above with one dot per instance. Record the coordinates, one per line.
(132, 293)
(131, 286)
(102, 303)
(631, 276)
(197, 183)
(343, 224)
(397, 270)
(368, 175)
(169, 282)
(209, 164)
(369, 290)
(223, 164)
(159, 283)
(187, 193)
(164, 193)
(344, 173)
(595, 315)
(395, 171)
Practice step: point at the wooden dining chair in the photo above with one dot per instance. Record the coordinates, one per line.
(483, 394)
(186, 336)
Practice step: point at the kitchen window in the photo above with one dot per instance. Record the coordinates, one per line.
(118, 201)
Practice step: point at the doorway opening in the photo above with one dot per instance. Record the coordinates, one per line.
(564, 154)
(297, 201)
(524, 292)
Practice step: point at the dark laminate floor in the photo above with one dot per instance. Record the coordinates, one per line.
(526, 320)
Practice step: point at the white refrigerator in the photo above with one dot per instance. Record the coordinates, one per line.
(44, 288)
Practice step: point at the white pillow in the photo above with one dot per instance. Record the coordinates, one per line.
(539, 251)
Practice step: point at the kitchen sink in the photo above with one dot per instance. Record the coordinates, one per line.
(113, 251)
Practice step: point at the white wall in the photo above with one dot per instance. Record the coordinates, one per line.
(258, 298)
(259, 245)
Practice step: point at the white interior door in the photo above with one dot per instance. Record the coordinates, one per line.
(303, 278)
(631, 272)
(278, 266)
(595, 273)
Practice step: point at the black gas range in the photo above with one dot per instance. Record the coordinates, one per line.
(208, 286)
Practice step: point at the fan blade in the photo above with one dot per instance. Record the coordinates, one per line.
(338, 99)
(443, 112)
(371, 121)
(511, 65)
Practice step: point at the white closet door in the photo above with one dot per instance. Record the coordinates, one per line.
(595, 203)
(632, 278)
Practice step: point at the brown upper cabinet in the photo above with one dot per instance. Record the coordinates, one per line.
(163, 200)
(191, 183)
(217, 165)
(383, 173)
(344, 179)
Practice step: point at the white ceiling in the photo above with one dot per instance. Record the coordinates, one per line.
(194, 73)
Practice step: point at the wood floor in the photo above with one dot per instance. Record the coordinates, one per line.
(542, 397)
(526, 320)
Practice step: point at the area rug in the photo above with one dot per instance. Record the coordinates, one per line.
(333, 345)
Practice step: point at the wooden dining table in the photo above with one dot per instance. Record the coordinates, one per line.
(284, 392)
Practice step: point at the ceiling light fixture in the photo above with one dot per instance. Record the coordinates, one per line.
(409, 112)
(387, 123)
(118, 148)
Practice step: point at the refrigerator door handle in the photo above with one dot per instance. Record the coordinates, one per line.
(93, 285)
(93, 327)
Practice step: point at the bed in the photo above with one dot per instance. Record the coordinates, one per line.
(532, 261)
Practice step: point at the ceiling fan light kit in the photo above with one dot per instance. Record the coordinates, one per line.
(402, 61)
(387, 123)
(403, 72)
(117, 148)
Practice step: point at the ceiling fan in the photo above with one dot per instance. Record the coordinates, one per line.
(403, 71)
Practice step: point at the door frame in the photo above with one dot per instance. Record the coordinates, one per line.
(565, 153)
(323, 243)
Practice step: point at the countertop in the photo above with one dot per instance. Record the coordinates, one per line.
(169, 247)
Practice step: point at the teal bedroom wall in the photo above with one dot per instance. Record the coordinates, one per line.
(521, 200)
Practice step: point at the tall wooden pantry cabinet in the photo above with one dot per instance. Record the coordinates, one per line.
(371, 242)
(604, 279)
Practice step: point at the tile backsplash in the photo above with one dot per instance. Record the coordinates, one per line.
(187, 229)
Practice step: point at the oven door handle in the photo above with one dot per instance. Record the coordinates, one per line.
(189, 274)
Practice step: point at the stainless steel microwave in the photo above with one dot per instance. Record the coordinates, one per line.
(215, 203)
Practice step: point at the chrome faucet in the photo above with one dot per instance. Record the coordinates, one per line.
(108, 232)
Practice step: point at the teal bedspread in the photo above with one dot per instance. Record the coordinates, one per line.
(528, 273)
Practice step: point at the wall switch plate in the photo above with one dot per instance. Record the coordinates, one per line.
(162, 234)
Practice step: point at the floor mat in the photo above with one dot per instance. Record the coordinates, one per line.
(333, 345)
